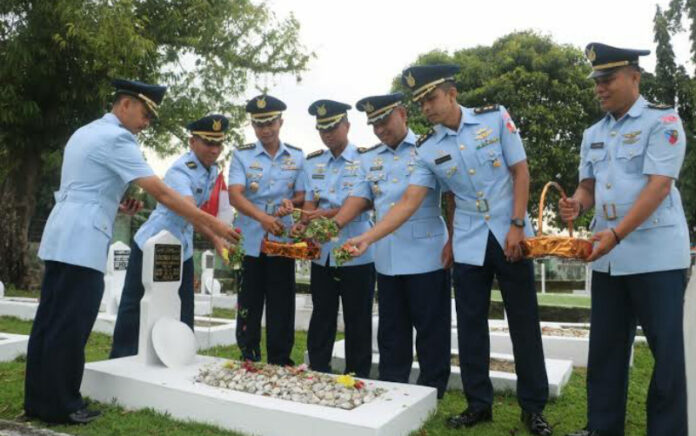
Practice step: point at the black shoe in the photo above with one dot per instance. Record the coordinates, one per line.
(470, 418)
(585, 432)
(83, 416)
(536, 423)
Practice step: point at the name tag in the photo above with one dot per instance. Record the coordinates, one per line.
(199, 190)
(443, 159)
(596, 145)
(377, 168)
(318, 176)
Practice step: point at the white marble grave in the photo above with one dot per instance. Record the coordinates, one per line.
(12, 346)
(144, 382)
(115, 276)
(558, 371)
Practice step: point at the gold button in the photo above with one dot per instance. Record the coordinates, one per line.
(479, 194)
(472, 171)
(395, 180)
(613, 133)
(396, 157)
(462, 147)
(487, 217)
(608, 185)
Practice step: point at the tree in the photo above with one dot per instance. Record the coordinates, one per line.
(59, 57)
(545, 88)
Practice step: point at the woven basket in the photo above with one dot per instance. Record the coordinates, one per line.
(309, 251)
(565, 247)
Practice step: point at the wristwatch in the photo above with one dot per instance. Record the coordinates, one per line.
(517, 222)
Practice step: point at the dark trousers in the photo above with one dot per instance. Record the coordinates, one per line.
(656, 300)
(355, 285)
(421, 301)
(472, 290)
(270, 279)
(70, 297)
(127, 330)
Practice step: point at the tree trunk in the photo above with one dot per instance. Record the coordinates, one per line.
(17, 204)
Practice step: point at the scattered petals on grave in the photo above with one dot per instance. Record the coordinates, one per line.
(293, 383)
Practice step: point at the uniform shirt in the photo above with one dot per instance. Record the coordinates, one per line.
(473, 162)
(329, 181)
(414, 247)
(621, 155)
(100, 160)
(190, 178)
(267, 181)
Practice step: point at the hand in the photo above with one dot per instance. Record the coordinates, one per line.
(297, 229)
(317, 213)
(447, 256)
(272, 225)
(220, 246)
(130, 206)
(569, 208)
(223, 230)
(357, 246)
(606, 241)
(285, 208)
(513, 251)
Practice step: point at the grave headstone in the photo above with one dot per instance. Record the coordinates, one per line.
(209, 285)
(162, 266)
(2, 290)
(116, 266)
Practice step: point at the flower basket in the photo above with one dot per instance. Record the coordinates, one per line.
(304, 250)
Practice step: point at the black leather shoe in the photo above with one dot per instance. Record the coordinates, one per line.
(536, 423)
(470, 418)
(585, 432)
(83, 416)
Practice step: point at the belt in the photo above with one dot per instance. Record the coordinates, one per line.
(613, 211)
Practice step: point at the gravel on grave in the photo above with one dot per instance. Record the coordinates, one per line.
(290, 383)
(565, 332)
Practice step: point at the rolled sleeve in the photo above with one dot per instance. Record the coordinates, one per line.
(126, 159)
(664, 153)
(236, 175)
(510, 140)
(422, 175)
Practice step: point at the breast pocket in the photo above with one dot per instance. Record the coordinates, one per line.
(598, 159)
(490, 161)
(629, 157)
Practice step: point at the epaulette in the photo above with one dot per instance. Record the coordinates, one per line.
(314, 154)
(485, 109)
(366, 149)
(191, 164)
(422, 138)
(659, 106)
(249, 146)
(293, 147)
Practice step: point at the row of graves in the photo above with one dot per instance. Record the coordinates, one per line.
(169, 376)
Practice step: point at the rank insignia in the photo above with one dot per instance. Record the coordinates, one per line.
(486, 143)
(672, 136)
(321, 110)
(632, 135)
(191, 164)
(261, 103)
(669, 119)
(410, 80)
(483, 133)
(368, 107)
(256, 165)
(217, 125)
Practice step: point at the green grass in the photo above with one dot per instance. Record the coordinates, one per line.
(558, 300)
(219, 312)
(566, 414)
(14, 292)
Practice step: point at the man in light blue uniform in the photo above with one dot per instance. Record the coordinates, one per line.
(629, 162)
(478, 155)
(192, 175)
(100, 160)
(331, 176)
(264, 185)
(414, 286)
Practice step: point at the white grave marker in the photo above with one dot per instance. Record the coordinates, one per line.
(116, 266)
(209, 285)
(162, 266)
(2, 290)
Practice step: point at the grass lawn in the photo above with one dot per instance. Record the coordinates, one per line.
(566, 414)
(554, 299)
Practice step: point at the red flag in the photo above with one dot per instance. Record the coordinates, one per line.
(213, 204)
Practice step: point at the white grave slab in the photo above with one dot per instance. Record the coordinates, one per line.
(2, 289)
(12, 346)
(144, 382)
(115, 276)
(222, 301)
(690, 350)
(558, 371)
(19, 307)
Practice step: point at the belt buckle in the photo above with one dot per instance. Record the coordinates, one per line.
(482, 205)
(610, 215)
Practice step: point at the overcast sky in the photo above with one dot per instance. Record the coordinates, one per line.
(361, 45)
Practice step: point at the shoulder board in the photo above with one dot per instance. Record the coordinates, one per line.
(659, 106)
(249, 146)
(293, 147)
(422, 138)
(191, 164)
(485, 109)
(366, 149)
(315, 154)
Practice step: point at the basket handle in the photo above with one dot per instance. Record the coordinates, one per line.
(541, 207)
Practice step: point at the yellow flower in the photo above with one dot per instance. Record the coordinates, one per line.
(346, 380)
(226, 254)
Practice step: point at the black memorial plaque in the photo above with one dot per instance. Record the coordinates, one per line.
(167, 264)
(209, 261)
(121, 260)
